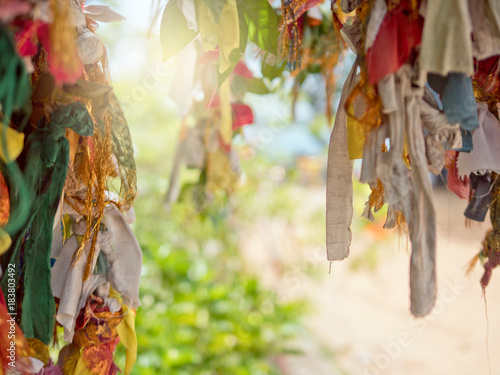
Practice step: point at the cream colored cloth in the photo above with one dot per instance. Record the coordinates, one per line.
(492, 12)
(406, 190)
(485, 17)
(124, 257)
(89, 46)
(339, 181)
(391, 168)
(485, 156)
(352, 36)
(124, 260)
(446, 39)
(422, 221)
(371, 152)
(68, 285)
(377, 16)
(440, 134)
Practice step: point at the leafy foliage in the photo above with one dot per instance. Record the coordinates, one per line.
(174, 30)
(257, 20)
(201, 313)
(216, 7)
(262, 24)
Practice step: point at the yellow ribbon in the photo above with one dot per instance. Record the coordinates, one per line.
(15, 144)
(229, 37)
(226, 118)
(126, 332)
(355, 138)
(40, 350)
(5, 241)
(72, 362)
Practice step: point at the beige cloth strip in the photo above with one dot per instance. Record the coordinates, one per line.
(446, 38)
(406, 190)
(422, 221)
(485, 18)
(339, 181)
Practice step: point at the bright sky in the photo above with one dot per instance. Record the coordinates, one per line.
(128, 50)
(138, 16)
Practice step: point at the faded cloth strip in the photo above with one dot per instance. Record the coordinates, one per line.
(446, 39)
(485, 17)
(375, 22)
(485, 156)
(117, 245)
(410, 194)
(422, 224)
(339, 181)
(440, 134)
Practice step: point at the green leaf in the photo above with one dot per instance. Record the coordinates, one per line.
(262, 24)
(257, 86)
(237, 53)
(241, 85)
(174, 31)
(215, 7)
(272, 71)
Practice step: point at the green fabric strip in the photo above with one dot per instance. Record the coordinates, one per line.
(46, 158)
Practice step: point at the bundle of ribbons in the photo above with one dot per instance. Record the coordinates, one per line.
(67, 184)
(421, 97)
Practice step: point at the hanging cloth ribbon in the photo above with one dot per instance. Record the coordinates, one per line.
(339, 181)
(446, 38)
(44, 166)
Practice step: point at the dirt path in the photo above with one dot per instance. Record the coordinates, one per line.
(361, 322)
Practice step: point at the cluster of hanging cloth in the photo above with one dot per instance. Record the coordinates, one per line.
(67, 184)
(421, 96)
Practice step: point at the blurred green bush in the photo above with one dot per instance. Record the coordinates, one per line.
(201, 314)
